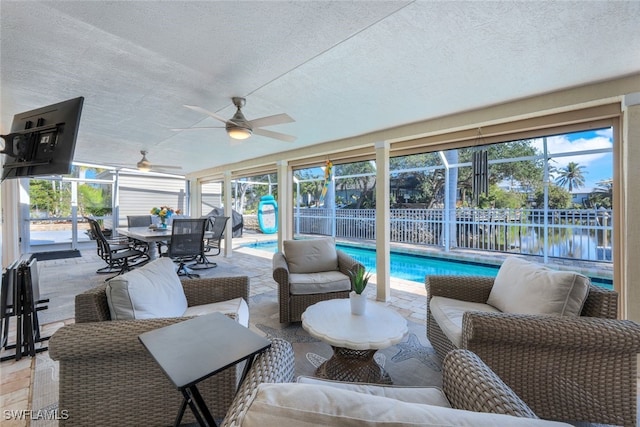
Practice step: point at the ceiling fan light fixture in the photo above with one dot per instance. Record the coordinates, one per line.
(237, 132)
(144, 165)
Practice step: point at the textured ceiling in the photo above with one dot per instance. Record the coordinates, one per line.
(340, 69)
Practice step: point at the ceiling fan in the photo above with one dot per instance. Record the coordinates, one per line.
(238, 127)
(144, 165)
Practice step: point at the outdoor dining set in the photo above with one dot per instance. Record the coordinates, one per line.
(189, 241)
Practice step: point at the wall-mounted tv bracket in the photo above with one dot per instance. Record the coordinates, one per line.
(28, 146)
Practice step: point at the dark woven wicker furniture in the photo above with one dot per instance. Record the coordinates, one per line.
(274, 365)
(467, 382)
(566, 368)
(292, 306)
(107, 377)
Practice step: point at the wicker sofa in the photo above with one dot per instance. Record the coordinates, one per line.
(566, 368)
(320, 266)
(107, 377)
(468, 384)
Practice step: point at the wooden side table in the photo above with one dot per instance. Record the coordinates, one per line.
(191, 351)
(354, 339)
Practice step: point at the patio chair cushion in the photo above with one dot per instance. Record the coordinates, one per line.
(528, 288)
(425, 395)
(318, 283)
(148, 292)
(448, 313)
(311, 256)
(236, 308)
(303, 405)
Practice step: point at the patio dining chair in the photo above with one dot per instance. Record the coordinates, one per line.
(120, 255)
(187, 244)
(214, 231)
(140, 221)
(215, 226)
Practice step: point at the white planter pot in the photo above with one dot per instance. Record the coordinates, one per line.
(358, 303)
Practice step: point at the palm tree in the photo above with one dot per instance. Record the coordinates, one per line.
(602, 195)
(571, 176)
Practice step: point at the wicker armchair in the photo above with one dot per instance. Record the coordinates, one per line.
(565, 368)
(467, 382)
(274, 365)
(107, 377)
(293, 305)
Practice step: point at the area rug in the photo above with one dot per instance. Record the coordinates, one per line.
(413, 361)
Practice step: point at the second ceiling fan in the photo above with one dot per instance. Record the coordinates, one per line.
(238, 127)
(144, 165)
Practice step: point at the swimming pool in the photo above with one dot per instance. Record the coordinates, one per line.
(416, 267)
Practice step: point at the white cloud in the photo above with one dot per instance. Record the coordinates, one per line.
(607, 133)
(561, 144)
(595, 166)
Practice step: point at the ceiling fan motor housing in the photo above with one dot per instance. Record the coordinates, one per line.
(238, 127)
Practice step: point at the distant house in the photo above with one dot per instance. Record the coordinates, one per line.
(581, 198)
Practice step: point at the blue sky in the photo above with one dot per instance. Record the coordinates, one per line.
(597, 167)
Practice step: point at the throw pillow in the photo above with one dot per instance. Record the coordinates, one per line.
(311, 256)
(151, 291)
(528, 288)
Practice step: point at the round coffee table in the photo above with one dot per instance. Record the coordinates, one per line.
(354, 339)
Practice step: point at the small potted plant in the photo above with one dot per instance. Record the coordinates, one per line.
(359, 279)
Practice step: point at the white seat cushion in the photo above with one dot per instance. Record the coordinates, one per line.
(448, 312)
(236, 308)
(306, 405)
(425, 395)
(528, 288)
(151, 291)
(318, 283)
(311, 256)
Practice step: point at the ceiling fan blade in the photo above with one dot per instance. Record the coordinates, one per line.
(202, 127)
(276, 119)
(165, 167)
(208, 113)
(275, 135)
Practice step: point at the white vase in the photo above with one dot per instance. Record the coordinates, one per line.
(358, 303)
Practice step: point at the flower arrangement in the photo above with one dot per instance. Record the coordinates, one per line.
(164, 212)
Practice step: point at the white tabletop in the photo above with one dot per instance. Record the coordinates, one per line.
(146, 234)
(332, 322)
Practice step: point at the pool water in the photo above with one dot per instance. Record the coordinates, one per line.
(416, 267)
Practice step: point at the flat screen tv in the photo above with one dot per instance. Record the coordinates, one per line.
(42, 141)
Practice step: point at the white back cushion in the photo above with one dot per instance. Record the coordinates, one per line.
(409, 394)
(528, 288)
(311, 256)
(151, 291)
(306, 405)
